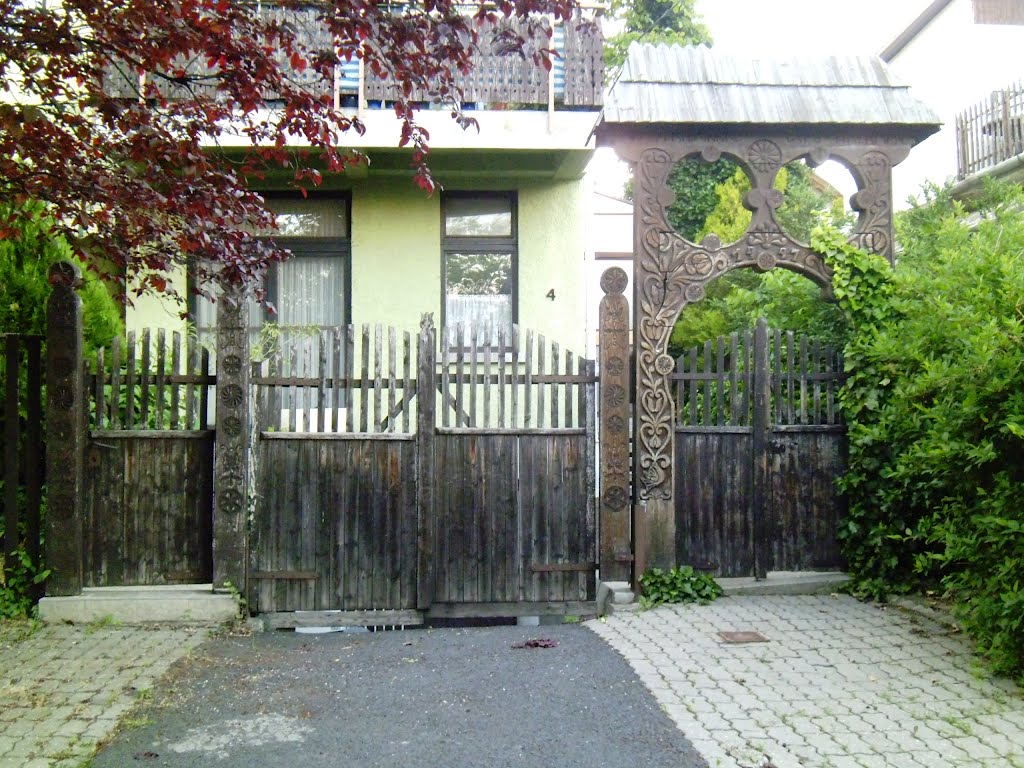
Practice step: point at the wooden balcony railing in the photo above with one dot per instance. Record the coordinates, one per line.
(576, 79)
(991, 131)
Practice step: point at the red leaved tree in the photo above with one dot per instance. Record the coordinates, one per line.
(114, 110)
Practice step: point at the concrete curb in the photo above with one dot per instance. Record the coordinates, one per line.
(786, 583)
(192, 604)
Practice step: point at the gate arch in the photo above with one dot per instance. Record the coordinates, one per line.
(709, 104)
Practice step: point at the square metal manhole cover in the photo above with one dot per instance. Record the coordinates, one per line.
(736, 638)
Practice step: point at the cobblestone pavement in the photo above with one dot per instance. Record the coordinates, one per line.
(838, 684)
(65, 688)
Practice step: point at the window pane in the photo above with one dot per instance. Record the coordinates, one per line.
(311, 291)
(478, 291)
(478, 217)
(487, 314)
(309, 218)
(484, 274)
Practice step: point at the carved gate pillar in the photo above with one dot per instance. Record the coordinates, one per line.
(65, 432)
(233, 424)
(613, 345)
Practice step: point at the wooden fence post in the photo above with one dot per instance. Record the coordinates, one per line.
(613, 339)
(231, 467)
(65, 431)
(425, 511)
(761, 422)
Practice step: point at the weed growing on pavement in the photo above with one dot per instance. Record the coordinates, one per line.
(19, 578)
(133, 722)
(960, 724)
(681, 584)
(14, 631)
(103, 622)
(239, 598)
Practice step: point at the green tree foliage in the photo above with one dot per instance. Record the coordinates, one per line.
(25, 259)
(935, 406)
(696, 189)
(674, 22)
(26, 254)
(788, 301)
(728, 219)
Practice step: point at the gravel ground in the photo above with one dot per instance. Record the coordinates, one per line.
(426, 697)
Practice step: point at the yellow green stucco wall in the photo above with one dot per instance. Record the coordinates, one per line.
(396, 258)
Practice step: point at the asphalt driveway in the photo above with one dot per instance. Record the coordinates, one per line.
(425, 697)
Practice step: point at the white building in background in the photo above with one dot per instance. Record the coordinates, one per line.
(954, 55)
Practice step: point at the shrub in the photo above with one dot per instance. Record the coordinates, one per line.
(935, 407)
(681, 584)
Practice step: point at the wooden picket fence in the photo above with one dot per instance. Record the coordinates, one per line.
(23, 471)
(714, 382)
(991, 131)
(150, 382)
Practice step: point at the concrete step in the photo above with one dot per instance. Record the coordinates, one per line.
(786, 583)
(175, 604)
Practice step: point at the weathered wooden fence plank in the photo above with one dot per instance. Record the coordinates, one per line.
(148, 509)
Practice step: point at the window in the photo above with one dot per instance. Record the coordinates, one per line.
(308, 291)
(479, 263)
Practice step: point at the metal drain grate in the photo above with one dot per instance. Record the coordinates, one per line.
(736, 638)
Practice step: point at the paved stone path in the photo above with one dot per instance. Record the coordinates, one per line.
(839, 684)
(64, 688)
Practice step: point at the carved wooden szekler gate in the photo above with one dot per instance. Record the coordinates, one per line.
(666, 107)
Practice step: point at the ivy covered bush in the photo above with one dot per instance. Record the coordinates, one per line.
(935, 408)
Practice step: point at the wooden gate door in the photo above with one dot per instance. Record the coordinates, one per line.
(758, 446)
(335, 519)
(147, 492)
(514, 529)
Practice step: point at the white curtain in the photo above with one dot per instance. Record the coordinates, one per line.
(487, 314)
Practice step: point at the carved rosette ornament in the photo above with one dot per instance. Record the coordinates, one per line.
(614, 389)
(232, 465)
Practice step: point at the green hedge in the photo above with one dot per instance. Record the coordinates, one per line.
(935, 407)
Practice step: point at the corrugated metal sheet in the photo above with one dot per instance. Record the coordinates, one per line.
(671, 84)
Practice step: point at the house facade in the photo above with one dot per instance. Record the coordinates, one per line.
(955, 55)
(500, 242)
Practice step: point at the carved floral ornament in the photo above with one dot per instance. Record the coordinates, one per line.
(672, 272)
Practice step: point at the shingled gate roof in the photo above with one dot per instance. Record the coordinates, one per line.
(662, 84)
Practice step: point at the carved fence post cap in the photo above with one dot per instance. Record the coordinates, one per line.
(614, 280)
(66, 274)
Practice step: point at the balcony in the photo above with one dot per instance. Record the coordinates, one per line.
(575, 81)
(990, 132)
